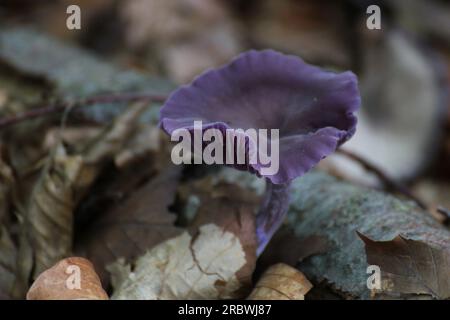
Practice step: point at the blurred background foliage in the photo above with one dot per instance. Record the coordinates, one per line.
(403, 71)
(403, 68)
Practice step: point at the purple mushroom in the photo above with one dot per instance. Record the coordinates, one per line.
(312, 109)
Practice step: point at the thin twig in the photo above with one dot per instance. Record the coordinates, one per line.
(446, 213)
(385, 178)
(56, 108)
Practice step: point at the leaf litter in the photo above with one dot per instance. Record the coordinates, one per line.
(156, 231)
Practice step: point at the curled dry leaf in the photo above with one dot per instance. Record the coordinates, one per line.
(48, 217)
(69, 136)
(409, 267)
(185, 267)
(281, 282)
(113, 138)
(70, 279)
(6, 183)
(107, 145)
(8, 255)
(144, 141)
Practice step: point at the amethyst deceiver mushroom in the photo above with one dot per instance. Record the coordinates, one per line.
(313, 110)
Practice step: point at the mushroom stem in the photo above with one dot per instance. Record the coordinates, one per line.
(271, 213)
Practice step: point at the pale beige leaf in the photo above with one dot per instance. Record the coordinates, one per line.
(281, 282)
(185, 267)
(233, 209)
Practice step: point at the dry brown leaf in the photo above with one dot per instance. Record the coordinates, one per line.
(3, 98)
(233, 209)
(113, 138)
(143, 142)
(70, 279)
(134, 226)
(6, 184)
(8, 255)
(69, 135)
(48, 217)
(185, 267)
(410, 266)
(281, 282)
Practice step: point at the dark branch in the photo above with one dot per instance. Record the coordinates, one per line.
(57, 108)
(388, 182)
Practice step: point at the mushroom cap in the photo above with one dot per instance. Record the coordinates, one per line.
(312, 108)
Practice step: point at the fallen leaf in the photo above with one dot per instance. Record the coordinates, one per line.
(281, 282)
(233, 209)
(324, 206)
(145, 141)
(69, 136)
(8, 253)
(70, 279)
(185, 267)
(64, 180)
(111, 141)
(48, 216)
(133, 226)
(8, 250)
(410, 266)
(6, 184)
